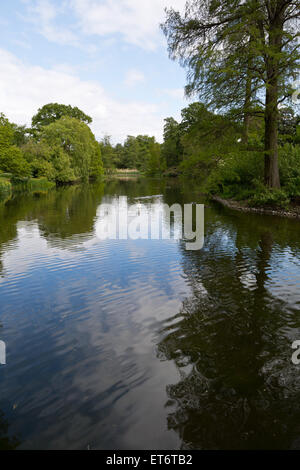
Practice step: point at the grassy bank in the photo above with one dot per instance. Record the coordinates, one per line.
(31, 184)
(5, 187)
(10, 184)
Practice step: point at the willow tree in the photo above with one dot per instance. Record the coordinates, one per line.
(235, 49)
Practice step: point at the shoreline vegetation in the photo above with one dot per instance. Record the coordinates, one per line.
(208, 149)
(240, 146)
(58, 149)
(291, 212)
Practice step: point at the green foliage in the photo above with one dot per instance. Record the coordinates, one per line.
(52, 112)
(141, 153)
(96, 164)
(240, 176)
(5, 186)
(6, 132)
(234, 52)
(199, 141)
(237, 175)
(267, 197)
(172, 150)
(156, 164)
(129, 153)
(12, 161)
(31, 184)
(289, 167)
(287, 127)
(66, 151)
(75, 151)
(39, 184)
(297, 136)
(213, 152)
(63, 151)
(21, 135)
(64, 173)
(38, 155)
(110, 157)
(11, 158)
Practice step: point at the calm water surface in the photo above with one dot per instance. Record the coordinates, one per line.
(140, 344)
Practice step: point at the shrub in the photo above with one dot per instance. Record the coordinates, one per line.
(270, 197)
(289, 167)
(39, 184)
(236, 175)
(11, 157)
(5, 186)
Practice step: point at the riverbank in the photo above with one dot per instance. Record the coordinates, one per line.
(123, 172)
(5, 187)
(293, 212)
(9, 185)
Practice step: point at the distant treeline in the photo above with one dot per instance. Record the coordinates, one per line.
(142, 153)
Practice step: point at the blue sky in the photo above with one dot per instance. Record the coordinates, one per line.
(107, 57)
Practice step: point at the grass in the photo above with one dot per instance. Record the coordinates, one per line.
(126, 171)
(5, 186)
(9, 183)
(31, 184)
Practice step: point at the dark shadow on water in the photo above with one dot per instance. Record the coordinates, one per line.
(231, 343)
(7, 442)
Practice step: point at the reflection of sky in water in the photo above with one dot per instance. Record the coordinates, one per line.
(81, 323)
(284, 276)
(82, 318)
(119, 219)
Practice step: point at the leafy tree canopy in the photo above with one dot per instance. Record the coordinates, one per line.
(53, 111)
(75, 141)
(11, 157)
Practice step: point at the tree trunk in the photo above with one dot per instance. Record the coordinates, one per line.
(272, 179)
(247, 103)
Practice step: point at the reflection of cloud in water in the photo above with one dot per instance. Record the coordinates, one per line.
(117, 219)
(90, 318)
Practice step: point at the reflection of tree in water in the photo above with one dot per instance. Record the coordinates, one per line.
(72, 211)
(67, 211)
(7, 442)
(60, 213)
(238, 387)
(141, 187)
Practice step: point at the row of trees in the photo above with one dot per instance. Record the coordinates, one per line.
(210, 148)
(59, 146)
(196, 143)
(142, 153)
(242, 57)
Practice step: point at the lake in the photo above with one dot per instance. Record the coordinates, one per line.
(142, 344)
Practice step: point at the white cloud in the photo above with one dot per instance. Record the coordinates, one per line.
(25, 88)
(133, 77)
(43, 15)
(22, 43)
(136, 21)
(177, 93)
